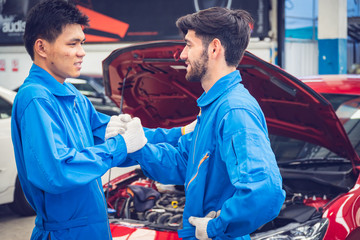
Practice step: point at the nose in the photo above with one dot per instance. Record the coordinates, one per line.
(184, 53)
(81, 51)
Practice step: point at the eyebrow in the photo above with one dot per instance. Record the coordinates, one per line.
(77, 40)
(187, 40)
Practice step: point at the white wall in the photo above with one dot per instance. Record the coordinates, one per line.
(263, 49)
(301, 57)
(10, 57)
(332, 19)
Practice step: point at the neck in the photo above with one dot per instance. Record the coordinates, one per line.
(40, 63)
(212, 77)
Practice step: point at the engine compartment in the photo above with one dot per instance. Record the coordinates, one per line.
(139, 201)
(146, 203)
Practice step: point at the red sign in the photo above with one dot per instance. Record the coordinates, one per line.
(2, 65)
(15, 65)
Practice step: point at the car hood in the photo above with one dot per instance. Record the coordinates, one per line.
(156, 91)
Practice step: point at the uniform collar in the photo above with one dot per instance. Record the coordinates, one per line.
(41, 76)
(222, 85)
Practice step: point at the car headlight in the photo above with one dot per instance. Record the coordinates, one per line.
(311, 230)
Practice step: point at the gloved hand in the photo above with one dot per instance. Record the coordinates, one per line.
(188, 128)
(125, 118)
(134, 135)
(201, 224)
(213, 214)
(218, 213)
(117, 125)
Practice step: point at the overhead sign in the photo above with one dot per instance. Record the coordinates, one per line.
(130, 20)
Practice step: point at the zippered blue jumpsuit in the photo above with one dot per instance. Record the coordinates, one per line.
(61, 154)
(225, 164)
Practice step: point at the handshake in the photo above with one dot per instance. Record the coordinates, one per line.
(129, 128)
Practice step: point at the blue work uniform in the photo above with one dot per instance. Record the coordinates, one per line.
(225, 164)
(60, 151)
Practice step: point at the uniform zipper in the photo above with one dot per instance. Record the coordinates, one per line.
(197, 134)
(78, 127)
(197, 171)
(101, 194)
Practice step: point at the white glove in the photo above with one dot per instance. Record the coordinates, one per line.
(134, 135)
(117, 125)
(201, 225)
(188, 128)
(218, 213)
(213, 214)
(125, 117)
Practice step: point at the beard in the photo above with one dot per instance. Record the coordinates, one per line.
(198, 68)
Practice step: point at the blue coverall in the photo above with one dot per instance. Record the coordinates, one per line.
(225, 164)
(61, 154)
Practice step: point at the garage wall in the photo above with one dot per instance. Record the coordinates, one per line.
(301, 57)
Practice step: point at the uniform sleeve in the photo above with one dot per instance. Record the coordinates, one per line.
(164, 162)
(99, 122)
(253, 171)
(50, 164)
(163, 135)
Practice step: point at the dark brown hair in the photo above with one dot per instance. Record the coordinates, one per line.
(231, 27)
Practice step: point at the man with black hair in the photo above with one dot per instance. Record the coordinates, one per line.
(231, 178)
(62, 144)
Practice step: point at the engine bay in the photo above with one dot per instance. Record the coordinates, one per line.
(146, 203)
(141, 202)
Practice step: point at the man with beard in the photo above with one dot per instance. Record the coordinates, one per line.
(231, 178)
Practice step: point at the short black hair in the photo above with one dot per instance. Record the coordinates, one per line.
(231, 27)
(47, 19)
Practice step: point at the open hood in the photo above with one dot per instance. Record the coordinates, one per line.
(157, 92)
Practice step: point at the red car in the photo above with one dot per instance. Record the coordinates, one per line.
(343, 92)
(318, 163)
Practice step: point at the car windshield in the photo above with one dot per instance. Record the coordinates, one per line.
(349, 114)
(348, 111)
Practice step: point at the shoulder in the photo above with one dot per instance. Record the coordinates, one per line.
(239, 110)
(31, 91)
(239, 97)
(28, 93)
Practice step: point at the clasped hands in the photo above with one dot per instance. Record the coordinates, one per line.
(130, 129)
(133, 132)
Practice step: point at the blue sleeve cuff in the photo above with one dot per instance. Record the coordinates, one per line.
(118, 149)
(215, 228)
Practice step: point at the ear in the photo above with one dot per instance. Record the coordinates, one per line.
(215, 48)
(40, 47)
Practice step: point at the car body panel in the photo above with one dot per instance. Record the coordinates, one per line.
(344, 214)
(10, 189)
(7, 162)
(337, 84)
(134, 232)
